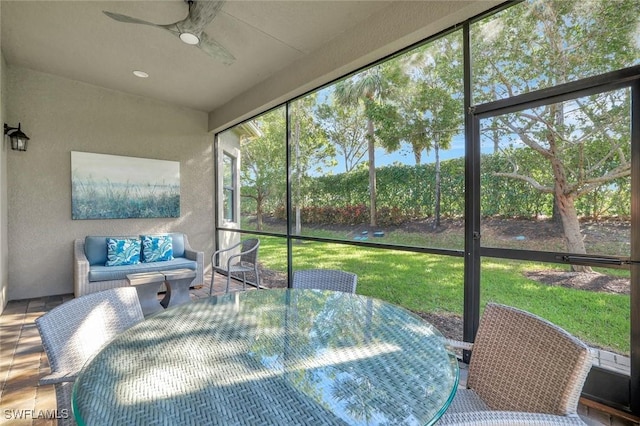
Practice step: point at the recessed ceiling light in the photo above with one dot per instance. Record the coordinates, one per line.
(189, 38)
(140, 74)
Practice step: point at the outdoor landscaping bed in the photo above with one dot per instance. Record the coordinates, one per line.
(593, 281)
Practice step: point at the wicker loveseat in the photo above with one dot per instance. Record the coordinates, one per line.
(90, 255)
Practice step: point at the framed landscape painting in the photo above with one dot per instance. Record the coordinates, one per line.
(115, 187)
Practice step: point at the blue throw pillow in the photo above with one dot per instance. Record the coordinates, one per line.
(157, 248)
(125, 251)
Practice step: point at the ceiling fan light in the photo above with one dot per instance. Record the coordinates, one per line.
(189, 38)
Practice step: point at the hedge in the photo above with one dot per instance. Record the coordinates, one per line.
(408, 192)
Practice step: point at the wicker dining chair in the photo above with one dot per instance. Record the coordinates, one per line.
(239, 263)
(325, 279)
(73, 332)
(523, 370)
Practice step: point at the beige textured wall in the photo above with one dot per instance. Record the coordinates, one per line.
(61, 116)
(4, 281)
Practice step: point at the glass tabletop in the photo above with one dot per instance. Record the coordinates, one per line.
(271, 357)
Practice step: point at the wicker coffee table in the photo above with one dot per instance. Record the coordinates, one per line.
(271, 357)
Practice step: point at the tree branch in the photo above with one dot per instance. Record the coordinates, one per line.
(591, 184)
(527, 179)
(529, 141)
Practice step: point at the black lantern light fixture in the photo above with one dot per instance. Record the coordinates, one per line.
(18, 138)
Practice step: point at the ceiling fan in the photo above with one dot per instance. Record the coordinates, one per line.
(191, 29)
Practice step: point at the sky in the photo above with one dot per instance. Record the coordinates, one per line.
(405, 156)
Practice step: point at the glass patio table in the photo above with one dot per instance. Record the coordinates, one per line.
(271, 357)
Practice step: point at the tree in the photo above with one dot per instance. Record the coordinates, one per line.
(364, 88)
(345, 127)
(540, 44)
(262, 170)
(441, 123)
(310, 149)
(424, 107)
(440, 90)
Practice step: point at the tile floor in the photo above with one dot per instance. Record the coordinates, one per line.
(22, 362)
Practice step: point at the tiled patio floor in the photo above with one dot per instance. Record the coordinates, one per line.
(22, 362)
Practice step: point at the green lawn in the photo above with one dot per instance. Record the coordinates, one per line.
(432, 283)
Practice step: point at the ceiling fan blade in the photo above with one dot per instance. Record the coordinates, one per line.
(215, 49)
(201, 13)
(128, 19)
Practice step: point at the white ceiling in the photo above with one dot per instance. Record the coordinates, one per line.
(74, 39)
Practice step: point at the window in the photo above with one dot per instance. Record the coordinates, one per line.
(378, 157)
(229, 187)
(378, 174)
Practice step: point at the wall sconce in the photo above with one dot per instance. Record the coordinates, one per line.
(18, 138)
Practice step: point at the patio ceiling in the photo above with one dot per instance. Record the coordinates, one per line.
(74, 39)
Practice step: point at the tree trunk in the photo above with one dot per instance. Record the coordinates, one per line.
(572, 236)
(564, 200)
(436, 149)
(557, 110)
(372, 173)
(259, 212)
(495, 136)
(555, 215)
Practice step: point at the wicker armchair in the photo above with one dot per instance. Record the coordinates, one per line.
(524, 370)
(325, 279)
(76, 330)
(239, 263)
